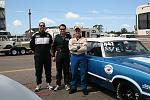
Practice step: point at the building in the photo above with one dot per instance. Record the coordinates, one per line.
(86, 32)
(2, 15)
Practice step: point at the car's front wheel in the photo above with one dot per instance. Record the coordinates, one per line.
(127, 91)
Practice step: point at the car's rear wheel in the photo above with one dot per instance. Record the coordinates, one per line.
(127, 91)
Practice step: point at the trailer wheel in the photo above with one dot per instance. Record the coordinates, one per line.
(14, 52)
(22, 51)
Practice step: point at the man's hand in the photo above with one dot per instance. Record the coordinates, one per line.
(74, 50)
(53, 59)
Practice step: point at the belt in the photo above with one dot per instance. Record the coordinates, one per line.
(82, 54)
(63, 51)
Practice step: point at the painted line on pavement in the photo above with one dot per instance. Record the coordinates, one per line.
(12, 59)
(19, 70)
(94, 92)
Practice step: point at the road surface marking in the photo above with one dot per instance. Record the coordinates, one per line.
(19, 70)
(12, 59)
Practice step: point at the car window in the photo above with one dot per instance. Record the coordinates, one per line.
(124, 48)
(94, 49)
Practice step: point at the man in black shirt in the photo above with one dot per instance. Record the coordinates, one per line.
(41, 45)
(61, 54)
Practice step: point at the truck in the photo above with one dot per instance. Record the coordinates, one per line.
(11, 47)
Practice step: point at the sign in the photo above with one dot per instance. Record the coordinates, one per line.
(108, 69)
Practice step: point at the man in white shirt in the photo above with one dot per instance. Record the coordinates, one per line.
(78, 47)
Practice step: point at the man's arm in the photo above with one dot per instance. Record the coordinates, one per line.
(72, 47)
(32, 43)
(83, 47)
(53, 50)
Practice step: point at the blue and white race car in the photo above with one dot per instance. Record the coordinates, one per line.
(121, 65)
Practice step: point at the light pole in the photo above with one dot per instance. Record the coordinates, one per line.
(29, 23)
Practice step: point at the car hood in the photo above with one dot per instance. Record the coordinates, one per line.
(141, 63)
(12, 90)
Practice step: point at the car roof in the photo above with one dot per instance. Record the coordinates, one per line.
(107, 39)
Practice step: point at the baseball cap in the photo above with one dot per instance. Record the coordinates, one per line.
(77, 28)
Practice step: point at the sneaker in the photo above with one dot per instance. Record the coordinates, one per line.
(57, 88)
(37, 89)
(85, 92)
(67, 87)
(50, 87)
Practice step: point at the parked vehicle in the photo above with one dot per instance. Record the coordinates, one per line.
(121, 65)
(12, 90)
(12, 47)
(142, 19)
(128, 35)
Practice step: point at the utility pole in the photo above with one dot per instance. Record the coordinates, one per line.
(29, 22)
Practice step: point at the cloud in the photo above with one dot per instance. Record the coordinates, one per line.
(125, 26)
(17, 23)
(106, 18)
(94, 12)
(47, 21)
(71, 15)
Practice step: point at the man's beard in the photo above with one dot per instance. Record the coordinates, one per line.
(42, 30)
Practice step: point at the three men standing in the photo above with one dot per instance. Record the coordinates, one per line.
(41, 45)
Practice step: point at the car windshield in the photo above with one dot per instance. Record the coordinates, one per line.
(124, 48)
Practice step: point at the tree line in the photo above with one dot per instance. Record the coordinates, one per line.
(122, 31)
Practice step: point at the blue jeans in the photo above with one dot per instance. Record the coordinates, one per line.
(78, 61)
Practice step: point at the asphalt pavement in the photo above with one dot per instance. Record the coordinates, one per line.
(21, 69)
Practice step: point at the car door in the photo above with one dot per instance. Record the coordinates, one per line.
(95, 59)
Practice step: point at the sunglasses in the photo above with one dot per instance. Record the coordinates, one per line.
(42, 25)
(62, 29)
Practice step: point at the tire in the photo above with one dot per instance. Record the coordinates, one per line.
(8, 47)
(22, 51)
(14, 52)
(127, 91)
(7, 53)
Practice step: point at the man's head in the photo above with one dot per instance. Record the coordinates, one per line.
(42, 27)
(77, 32)
(62, 29)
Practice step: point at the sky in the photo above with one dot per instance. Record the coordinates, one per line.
(112, 14)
